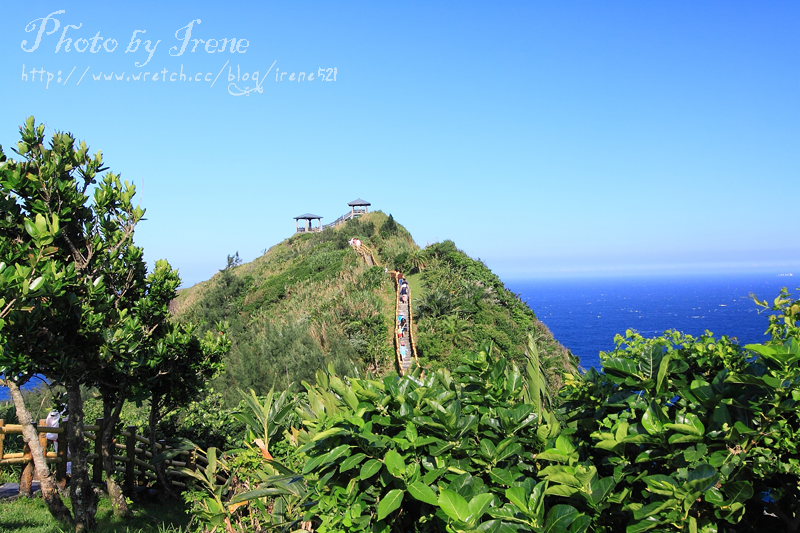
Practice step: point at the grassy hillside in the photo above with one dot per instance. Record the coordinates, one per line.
(311, 299)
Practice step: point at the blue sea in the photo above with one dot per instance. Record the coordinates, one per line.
(585, 314)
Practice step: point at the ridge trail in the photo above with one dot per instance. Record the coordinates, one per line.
(403, 331)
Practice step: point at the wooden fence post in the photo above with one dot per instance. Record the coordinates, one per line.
(42, 442)
(26, 478)
(97, 466)
(130, 466)
(61, 453)
(191, 462)
(2, 438)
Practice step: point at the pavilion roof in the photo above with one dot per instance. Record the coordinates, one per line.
(307, 216)
(358, 201)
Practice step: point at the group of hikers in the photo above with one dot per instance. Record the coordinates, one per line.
(355, 243)
(402, 328)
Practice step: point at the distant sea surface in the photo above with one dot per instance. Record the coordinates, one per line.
(585, 314)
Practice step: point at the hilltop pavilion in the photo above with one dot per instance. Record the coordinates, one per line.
(358, 207)
(308, 217)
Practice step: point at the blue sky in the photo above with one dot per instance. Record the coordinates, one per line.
(548, 139)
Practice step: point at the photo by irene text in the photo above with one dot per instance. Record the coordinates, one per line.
(239, 79)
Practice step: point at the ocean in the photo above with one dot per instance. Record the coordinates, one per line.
(586, 314)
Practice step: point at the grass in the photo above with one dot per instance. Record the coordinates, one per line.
(24, 515)
(415, 284)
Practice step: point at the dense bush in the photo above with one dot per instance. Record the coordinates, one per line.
(674, 433)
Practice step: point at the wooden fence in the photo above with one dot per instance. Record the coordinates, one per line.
(132, 460)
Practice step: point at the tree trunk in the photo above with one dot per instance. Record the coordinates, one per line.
(111, 413)
(31, 436)
(161, 470)
(82, 494)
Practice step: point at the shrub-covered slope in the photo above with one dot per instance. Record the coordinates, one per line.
(312, 299)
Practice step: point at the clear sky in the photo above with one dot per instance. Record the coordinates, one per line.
(546, 138)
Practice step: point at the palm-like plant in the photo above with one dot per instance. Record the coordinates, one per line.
(263, 420)
(418, 260)
(536, 391)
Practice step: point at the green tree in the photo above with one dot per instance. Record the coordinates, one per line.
(389, 227)
(91, 257)
(24, 278)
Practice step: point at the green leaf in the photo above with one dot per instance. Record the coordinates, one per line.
(653, 419)
(553, 455)
(337, 452)
(328, 433)
(652, 509)
(35, 284)
(351, 462)
(454, 505)
(642, 525)
(561, 490)
(580, 524)
(702, 390)
(411, 432)
(487, 449)
(423, 493)
(519, 497)
(714, 496)
(702, 478)
(433, 475)
(370, 468)
(559, 518)
(31, 228)
(661, 484)
(738, 491)
(503, 476)
(600, 489)
(394, 463)
(478, 506)
(389, 503)
(616, 366)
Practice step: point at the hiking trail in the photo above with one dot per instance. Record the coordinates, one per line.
(403, 334)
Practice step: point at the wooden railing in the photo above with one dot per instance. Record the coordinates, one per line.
(347, 216)
(132, 461)
(411, 327)
(412, 348)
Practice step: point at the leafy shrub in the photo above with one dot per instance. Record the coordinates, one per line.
(675, 433)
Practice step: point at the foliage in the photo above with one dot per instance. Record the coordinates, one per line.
(451, 451)
(679, 432)
(204, 421)
(675, 433)
(312, 300)
(389, 227)
(92, 317)
(83, 247)
(464, 304)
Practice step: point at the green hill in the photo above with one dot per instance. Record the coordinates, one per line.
(312, 299)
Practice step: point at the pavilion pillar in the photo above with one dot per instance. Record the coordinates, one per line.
(296, 225)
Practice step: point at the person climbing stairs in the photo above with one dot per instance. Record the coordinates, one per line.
(404, 334)
(405, 346)
(363, 250)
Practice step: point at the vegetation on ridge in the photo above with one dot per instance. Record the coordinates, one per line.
(311, 300)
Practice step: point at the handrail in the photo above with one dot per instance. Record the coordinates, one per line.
(344, 218)
(394, 330)
(411, 327)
